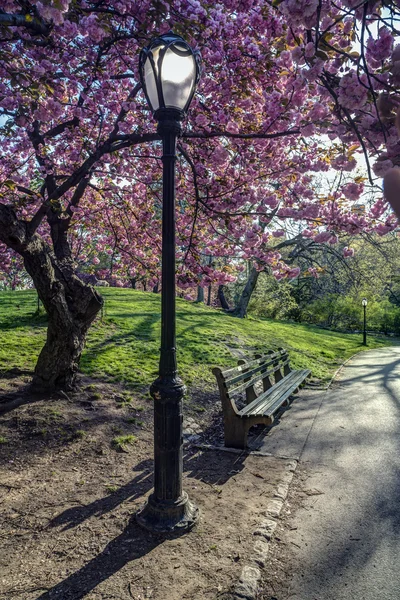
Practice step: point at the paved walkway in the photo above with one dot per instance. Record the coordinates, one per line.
(346, 536)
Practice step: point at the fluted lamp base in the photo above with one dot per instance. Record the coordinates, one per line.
(161, 516)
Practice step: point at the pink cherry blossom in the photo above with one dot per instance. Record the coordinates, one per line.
(347, 252)
(353, 191)
(381, 167)
(299, 11)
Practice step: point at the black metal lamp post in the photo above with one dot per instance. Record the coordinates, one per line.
(364, 303)
(169, 72)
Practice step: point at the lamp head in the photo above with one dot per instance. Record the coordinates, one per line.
(364, 302)
(169, 71)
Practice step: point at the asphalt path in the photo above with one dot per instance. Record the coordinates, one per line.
(344, 538)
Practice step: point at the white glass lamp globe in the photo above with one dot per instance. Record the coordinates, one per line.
(169, 71)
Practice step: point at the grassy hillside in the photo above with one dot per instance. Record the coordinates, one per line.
(124, 344)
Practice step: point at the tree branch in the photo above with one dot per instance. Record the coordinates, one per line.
(26, 21)
(241, 136)
(13, 231)
(54, 131)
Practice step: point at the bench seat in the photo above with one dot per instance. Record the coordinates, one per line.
(270, 401)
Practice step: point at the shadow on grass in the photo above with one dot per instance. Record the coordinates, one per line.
(21, 321)
(15, 372)
(142, 333)
(119, 339)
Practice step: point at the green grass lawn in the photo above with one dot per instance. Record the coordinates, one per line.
(124, 345)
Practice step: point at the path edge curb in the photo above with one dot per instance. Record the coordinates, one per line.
(340, 368)
(247, 586)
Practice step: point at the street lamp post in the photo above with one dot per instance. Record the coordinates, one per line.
(364, 303)
(169, 71)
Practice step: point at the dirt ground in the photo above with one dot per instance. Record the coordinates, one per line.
(70, 485)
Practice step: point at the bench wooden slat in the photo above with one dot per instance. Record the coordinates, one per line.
(270, 401)
(241, 388)
(273, 408)
(227, 373)
(247, 374)
(260, 404)
(262, 401)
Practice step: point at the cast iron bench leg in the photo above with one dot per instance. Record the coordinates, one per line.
(236, 430)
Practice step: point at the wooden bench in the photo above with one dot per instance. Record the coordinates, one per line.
(272, 373)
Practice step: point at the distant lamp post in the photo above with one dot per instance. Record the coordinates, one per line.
(364, 303)
(169, 71)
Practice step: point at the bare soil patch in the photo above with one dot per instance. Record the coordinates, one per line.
(71, 482)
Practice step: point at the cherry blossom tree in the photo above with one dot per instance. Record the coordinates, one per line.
(284, 96)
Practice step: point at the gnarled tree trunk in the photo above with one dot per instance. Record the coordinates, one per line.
(241, 307)
(71, 305)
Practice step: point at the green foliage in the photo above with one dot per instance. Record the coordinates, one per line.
(336, 312)
(333, 298)
(347, 313)
(124, 347)
(272, 299)
(134, 421)
(80, 433)
(120, 442)
(112, 488)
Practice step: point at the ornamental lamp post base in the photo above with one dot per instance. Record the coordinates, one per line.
(163, 516)
(168, 508)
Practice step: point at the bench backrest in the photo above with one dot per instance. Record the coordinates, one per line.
(242, 378)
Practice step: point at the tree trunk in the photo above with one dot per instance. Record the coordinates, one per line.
(222, 299)
(200, 294)
(71, 305)
(209, 287)
(241, 307)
